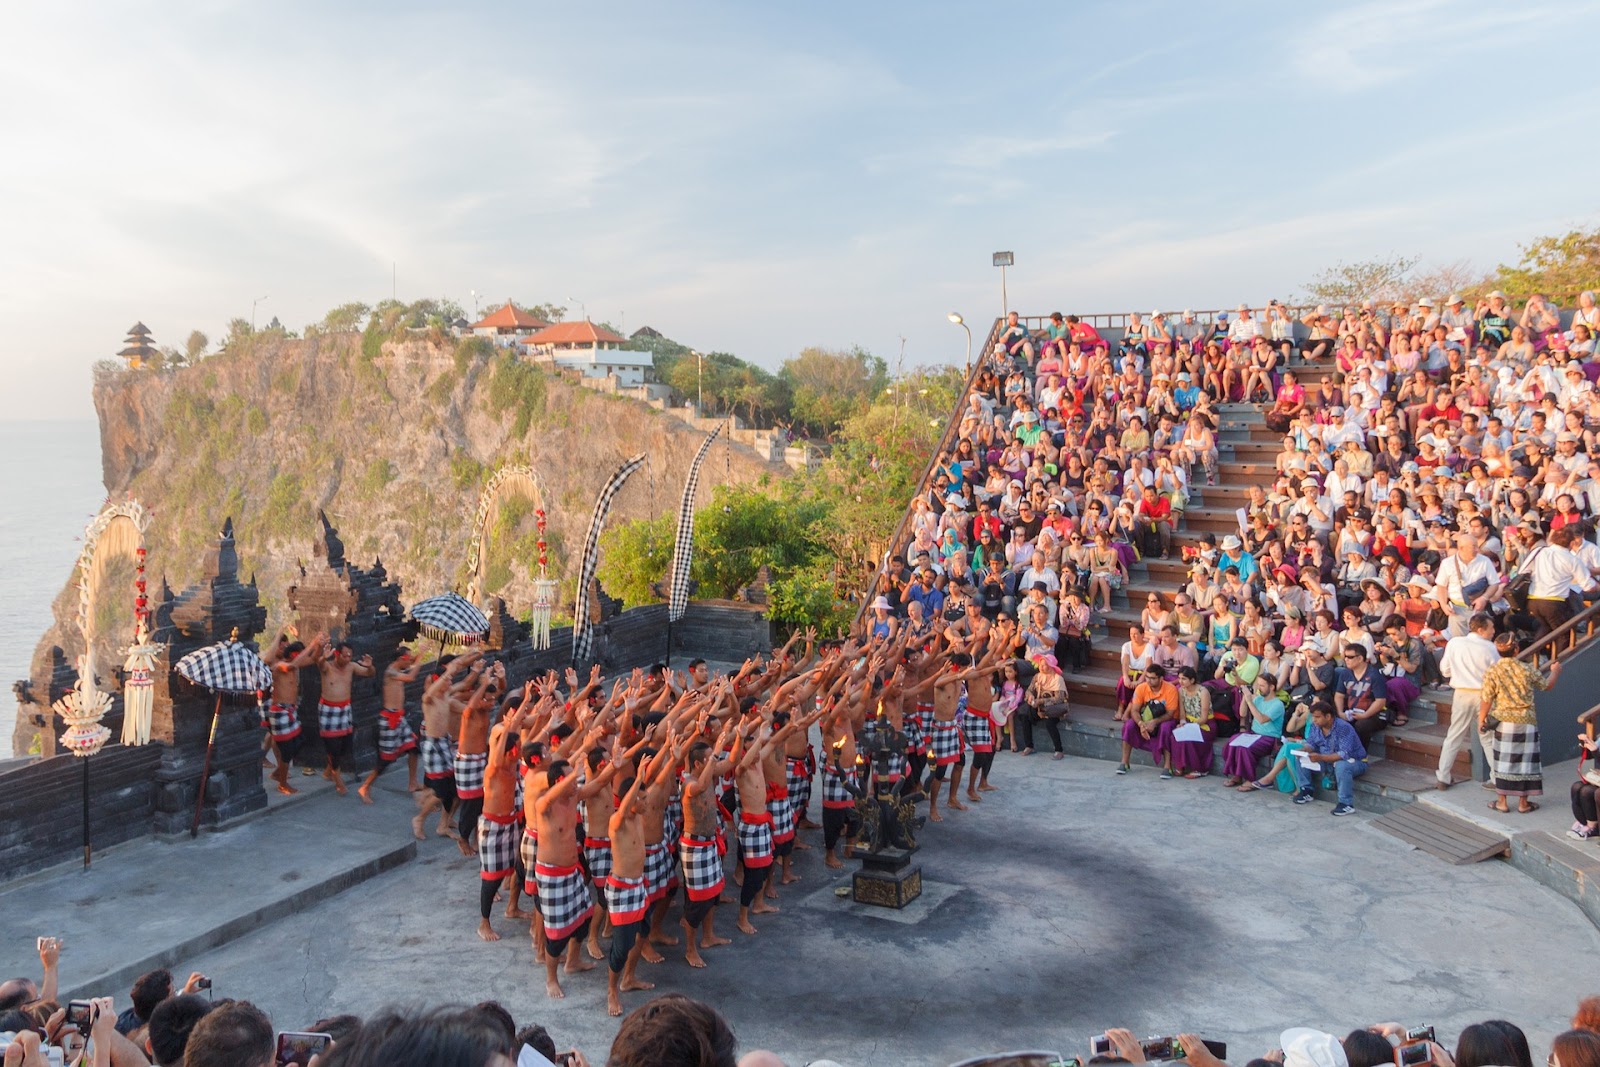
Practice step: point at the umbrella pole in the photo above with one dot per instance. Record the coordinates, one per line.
(668, 660)
(86, 813)
(205, 773)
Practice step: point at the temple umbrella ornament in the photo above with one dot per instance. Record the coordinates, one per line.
(227, 668)
(138, 690)
(450, 619)
(82, 708)
(582, 628)
(544, 590)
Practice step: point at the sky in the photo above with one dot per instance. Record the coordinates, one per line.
(756, 178)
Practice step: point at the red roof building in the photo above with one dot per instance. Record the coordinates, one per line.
(583, 334)
(508, 320)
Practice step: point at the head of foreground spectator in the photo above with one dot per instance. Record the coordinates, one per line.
(1575, 1048)
(449, 1037)
(171, 1022)
(673, 1031)
(234, 1034)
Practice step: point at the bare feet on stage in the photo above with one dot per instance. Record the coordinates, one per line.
(593, 949)
(486, 932)
(789, 878)
(650, 955)
(661, 937)
(552, 989)
(365, 792)
(987, 788)
(518, 913)
(745, 927)
(634, 985)
(712, 941)
(974, 797)
(761, 907)
(287, 790)
(957, 805)
(416, 829)
(833, 862)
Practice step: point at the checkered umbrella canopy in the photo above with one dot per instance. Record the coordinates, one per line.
(226, 667)
(450, 618)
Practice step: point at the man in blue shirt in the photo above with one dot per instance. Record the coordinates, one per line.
(1334, 743)
(927, 594)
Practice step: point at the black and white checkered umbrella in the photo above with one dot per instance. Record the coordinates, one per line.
(451, 619)
(226, 667)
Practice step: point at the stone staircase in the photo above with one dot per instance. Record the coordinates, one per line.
(1403, 759)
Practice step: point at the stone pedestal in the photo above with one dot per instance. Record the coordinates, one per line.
(887, 879)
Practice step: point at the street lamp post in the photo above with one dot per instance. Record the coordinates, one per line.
(699, 386)
(1004, 260)
(253, 304)
(959, 321)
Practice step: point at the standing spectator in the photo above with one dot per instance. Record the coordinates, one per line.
(1508, 689)
(1467, 583)
(1465, 661)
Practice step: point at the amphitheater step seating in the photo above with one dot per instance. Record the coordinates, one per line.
(1404, 758)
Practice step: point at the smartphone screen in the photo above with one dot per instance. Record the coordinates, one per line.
(295, 1049)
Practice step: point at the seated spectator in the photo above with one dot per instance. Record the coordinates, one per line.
(673, 1031)
(1333, 745)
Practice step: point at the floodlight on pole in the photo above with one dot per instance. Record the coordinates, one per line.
(961, 322)
(1004, 260)
(253, 304)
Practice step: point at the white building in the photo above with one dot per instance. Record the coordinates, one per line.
(593, 350)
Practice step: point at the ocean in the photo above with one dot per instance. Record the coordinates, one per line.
(54, 490)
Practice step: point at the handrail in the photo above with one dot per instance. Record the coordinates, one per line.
(946, 443)
(1572, 635)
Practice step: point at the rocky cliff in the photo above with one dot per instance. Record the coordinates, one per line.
(394, 442)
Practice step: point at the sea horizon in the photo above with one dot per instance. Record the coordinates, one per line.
(57, 490)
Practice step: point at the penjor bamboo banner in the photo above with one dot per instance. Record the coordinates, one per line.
(582, 629)
(683, 543)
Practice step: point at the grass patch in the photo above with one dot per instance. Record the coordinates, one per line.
(379, 473)
(518, 387)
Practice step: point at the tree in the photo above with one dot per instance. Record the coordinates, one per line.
(829, 386)
(239, 334)
(1560, 267)
(195, 346)
(633, 555)
(1351, 283)
(547, 312)
(346, 318)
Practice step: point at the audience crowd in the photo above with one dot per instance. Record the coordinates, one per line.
(177, 1027)
(1428, 515)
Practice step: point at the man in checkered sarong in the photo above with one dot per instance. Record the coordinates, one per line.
(627, 895)
(472, 757)
(702, 861)
(946, 748)
(760, 753)
(444, 692)
(565, 902)
(286, 658)
(499, 828)
(395, 736)
(335, 720)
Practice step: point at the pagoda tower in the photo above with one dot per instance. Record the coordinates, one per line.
(139, 350)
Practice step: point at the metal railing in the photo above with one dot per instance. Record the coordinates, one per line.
(1565, 639)
(899, 539)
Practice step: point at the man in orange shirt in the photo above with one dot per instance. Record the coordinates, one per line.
(1155, 701)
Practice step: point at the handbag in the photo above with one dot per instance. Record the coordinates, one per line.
(1152, 710)
(1055, 709)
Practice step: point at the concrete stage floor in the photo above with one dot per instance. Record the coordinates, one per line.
(1069, 901)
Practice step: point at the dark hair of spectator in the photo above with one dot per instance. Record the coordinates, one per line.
(1588, 1015)
(233, 1034)
(496, 1013)
(150, 989)
(537, 1038)
(673, 1031)
(170, 1024)
(451, 1037)
(1489, 1044)
(1363, 1048)
(338, 1027)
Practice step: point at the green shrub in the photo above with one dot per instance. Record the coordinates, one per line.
(518, 387)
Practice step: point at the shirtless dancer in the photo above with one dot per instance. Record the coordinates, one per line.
(945, 748)
(977, 726)
(756, 835)
(840, 785)
(698, 849)
(472, 756)
(335, 721)
(564, 898)
(286, 658)
(395, 736)
(498, 825)
(627, 895)
(438, 750)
